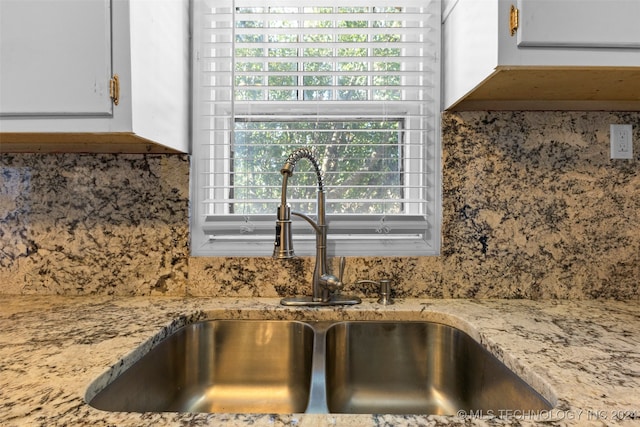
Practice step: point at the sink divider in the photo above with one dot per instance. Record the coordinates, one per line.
(318, 393)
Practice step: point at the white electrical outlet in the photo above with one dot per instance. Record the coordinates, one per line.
(621, 142)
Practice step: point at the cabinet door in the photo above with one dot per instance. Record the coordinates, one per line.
(572, 23)
(55, 57)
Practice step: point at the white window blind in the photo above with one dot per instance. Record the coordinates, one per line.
(358, 83)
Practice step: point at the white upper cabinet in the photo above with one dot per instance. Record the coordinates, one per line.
(34, 37)
(58, 62)
(541, 55)
(586, 24)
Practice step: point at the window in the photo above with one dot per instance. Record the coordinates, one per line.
(358, 83)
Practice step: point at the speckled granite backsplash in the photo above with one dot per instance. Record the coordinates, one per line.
(77, 224)
(532, 208)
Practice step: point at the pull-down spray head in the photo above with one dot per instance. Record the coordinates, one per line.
(283, 246)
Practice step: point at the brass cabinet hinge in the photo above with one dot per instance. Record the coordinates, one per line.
(114, 89)
(514, 20)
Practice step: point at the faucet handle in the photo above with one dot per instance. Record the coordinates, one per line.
(331, 283)
(343, 263)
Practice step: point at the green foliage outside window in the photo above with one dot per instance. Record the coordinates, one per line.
(362, 158)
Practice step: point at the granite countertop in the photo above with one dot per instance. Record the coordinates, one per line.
(582, 355)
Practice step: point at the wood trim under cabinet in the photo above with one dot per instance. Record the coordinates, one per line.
(27, 142)
(556, 88)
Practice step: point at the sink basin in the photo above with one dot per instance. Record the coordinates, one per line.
(279, 366)
(219, 366)
(418, 368)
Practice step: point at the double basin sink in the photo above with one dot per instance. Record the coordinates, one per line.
(282, 366)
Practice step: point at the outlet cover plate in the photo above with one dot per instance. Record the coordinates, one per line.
(621, 141)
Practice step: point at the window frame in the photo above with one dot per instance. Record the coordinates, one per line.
(387, 235)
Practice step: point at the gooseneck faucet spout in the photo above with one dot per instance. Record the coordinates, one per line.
(325, 286)
(283, 247)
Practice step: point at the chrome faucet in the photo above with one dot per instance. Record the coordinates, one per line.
(325, 287)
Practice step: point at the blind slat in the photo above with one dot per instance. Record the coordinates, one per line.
(327, 3)
(230, 224)
(309, 32)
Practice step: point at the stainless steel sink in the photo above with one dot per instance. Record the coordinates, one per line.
(418, 368)
(277, 366)
(219, 366)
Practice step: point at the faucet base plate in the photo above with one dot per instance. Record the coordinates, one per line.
(308, 301)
